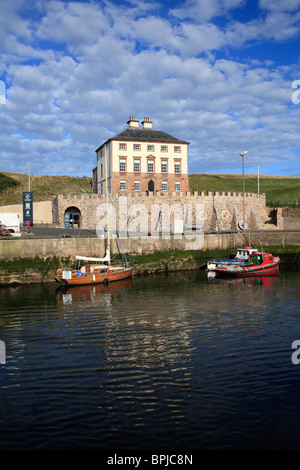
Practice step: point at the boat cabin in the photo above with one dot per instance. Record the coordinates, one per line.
(93, 268)
(260, 258)
(244, 254)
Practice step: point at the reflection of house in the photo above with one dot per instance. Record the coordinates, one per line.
(142, 159)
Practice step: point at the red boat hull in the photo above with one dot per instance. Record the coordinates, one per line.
(247, 271)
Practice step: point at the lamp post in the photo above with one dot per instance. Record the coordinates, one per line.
(242, 155)
(28, 169)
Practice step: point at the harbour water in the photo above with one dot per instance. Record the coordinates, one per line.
(176, 361)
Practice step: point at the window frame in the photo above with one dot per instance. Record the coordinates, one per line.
(150, 162)
(137, 161)
(164, 163)
(122, 161)
(176, 164)
(164, 186)
(178, 183)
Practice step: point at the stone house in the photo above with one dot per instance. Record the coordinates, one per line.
(141, 160)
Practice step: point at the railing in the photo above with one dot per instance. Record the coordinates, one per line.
(270, 203)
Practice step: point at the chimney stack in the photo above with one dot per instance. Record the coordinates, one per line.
(133, 122)
(147, 124)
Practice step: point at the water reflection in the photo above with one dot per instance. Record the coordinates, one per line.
(178, 361)
(263, 281)
(90, 293)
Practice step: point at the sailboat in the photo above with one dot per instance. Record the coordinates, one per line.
(97, 270)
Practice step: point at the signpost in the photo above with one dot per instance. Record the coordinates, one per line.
(27, 208)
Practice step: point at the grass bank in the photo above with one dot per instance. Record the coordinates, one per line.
(281, 191)
(12, 186)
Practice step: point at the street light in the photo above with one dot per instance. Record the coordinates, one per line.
(242, 155)
(28, 169)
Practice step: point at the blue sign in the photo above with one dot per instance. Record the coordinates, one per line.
(27, 208)
(67, 219)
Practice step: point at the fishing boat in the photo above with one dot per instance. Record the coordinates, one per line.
(259, 264)
(97, 270)
(242, 256)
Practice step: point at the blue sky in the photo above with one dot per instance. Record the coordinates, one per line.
(221, 74)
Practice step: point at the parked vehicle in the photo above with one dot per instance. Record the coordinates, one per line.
(4, 232)
(11, 222)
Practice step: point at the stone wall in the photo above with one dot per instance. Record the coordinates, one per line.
(45, 247)
(221, 211)
(288, 218)
(291, 223)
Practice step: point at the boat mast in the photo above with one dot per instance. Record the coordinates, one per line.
(107, 212)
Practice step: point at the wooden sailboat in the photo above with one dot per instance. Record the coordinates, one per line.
(97, 270)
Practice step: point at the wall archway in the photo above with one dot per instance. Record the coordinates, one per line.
(151, 186)
(72, 217)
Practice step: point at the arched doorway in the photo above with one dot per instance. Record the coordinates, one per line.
(72, 217)
(151, 186)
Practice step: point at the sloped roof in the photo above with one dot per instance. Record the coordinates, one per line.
(145, 135)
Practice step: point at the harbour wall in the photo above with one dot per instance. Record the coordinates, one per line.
(64, 247)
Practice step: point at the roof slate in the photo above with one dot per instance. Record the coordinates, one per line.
(147, 135)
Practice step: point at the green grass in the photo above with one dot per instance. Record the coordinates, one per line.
(19, 265)
(43, 187)
(198, 256)
(280, 191)
(7, 182)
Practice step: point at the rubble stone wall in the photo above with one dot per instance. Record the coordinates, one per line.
(221, 211)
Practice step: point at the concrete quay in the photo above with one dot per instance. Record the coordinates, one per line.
(88, 244)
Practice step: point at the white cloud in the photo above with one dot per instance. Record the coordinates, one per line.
(280, 5)
(72, 22)
(11, 23)
(202, 10)
(76, 71)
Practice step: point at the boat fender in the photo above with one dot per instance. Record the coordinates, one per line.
(106, 281)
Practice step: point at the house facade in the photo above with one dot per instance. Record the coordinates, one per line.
(141, 159)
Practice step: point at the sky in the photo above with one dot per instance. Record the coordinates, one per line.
(223, 75)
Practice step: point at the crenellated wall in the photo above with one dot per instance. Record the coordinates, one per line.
(222, 211)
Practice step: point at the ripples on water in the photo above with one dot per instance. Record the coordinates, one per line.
(162, 362)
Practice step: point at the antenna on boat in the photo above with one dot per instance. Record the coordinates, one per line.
(119, 233)
(107, 212)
